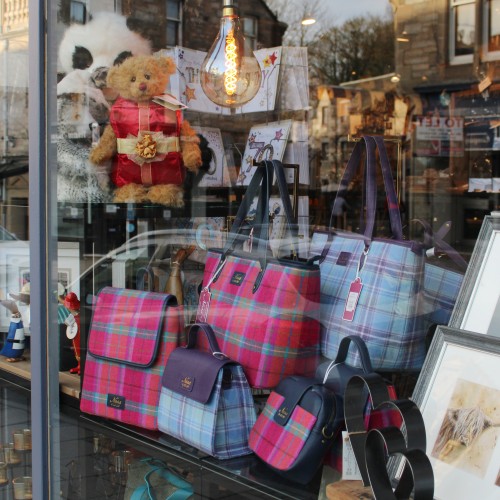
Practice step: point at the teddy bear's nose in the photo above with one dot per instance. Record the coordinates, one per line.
(142, 87)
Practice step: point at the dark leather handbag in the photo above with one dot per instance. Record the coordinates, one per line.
(335, 374)
(296, 428)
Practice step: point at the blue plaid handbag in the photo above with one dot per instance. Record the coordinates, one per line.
(443, 276)
(205, 399)
(372, 287)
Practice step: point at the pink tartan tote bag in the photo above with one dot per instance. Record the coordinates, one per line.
(132, 334)
(264, 310)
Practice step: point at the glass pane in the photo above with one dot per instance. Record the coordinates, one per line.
(249, 26)
(465, 25)
(494, 26)
(172, 33)
(15, 279)
(77, 12)
(173, 9)
(135, 207)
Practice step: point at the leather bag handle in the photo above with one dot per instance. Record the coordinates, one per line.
(209, 333)
(275, 168)
(364, 355)
(435, 240)
(369, 145)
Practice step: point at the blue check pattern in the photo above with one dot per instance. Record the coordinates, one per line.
(220, 427)
(441, 288)
(388, 316)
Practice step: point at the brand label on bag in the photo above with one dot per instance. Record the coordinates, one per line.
(352, 299)
(187, 383)
(343, 258)
(282, 415)
(237, 278)
(203, 306)
(115, 401)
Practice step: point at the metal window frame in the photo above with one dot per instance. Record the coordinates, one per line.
(454, 59)
(43, 250)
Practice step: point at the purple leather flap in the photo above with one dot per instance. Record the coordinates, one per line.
(192, 373)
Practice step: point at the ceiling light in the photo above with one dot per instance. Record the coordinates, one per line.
(403, 37)
(307, 20)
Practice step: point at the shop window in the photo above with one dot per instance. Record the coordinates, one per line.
(250, 32)
(462, 30)
(173, 28)
(492, 29)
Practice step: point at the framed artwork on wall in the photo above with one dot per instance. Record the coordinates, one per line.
(458, 393)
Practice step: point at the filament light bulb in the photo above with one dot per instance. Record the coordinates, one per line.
(230, 74)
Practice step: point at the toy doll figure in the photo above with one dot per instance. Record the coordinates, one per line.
(14, 346)
(23, 298)
(72, 303)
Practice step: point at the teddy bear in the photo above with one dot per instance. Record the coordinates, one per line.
(150, 144)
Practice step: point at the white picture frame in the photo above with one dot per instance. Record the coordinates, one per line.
(477, 307)
(458, 393)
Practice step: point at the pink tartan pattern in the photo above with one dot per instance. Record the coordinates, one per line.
(132, 334)
(273, 332)
(276, 445)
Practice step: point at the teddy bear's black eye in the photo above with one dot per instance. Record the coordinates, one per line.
(132, 79)
(147, 76)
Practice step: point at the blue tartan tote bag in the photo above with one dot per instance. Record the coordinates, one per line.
(205, 399)
(443, 276)
(372, 287)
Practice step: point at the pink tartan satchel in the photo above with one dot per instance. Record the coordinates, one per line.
(132, 334)
(264, 310)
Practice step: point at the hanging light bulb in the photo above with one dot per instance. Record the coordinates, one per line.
(230, 77)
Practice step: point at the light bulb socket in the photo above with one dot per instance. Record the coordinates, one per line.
(228, 9)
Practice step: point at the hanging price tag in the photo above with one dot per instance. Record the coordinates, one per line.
(350, 470)
(204, 304)
(352, 299)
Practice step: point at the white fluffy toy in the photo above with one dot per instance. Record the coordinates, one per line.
(86, 53)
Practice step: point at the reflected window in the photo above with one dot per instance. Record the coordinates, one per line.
(77, 12)
(250, 32)
(493, 26)
(463, 30)
(173, 23)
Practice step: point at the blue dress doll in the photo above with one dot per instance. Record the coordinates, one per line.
(13, 348)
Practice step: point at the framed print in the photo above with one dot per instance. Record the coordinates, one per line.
(477, 307)
(215, 174)
(458, 393)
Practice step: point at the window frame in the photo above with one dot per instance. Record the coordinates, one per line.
(488, 55)
(453, 58)
(251, 37)
(177, 20)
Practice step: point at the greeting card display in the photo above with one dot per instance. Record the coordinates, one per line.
(297, 152)
(294, 79)
(265, 100)
(265, 142)
(215, 174)
(284, 83)
(185, 84)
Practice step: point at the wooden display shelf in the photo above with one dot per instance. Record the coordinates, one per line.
(69, 383)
